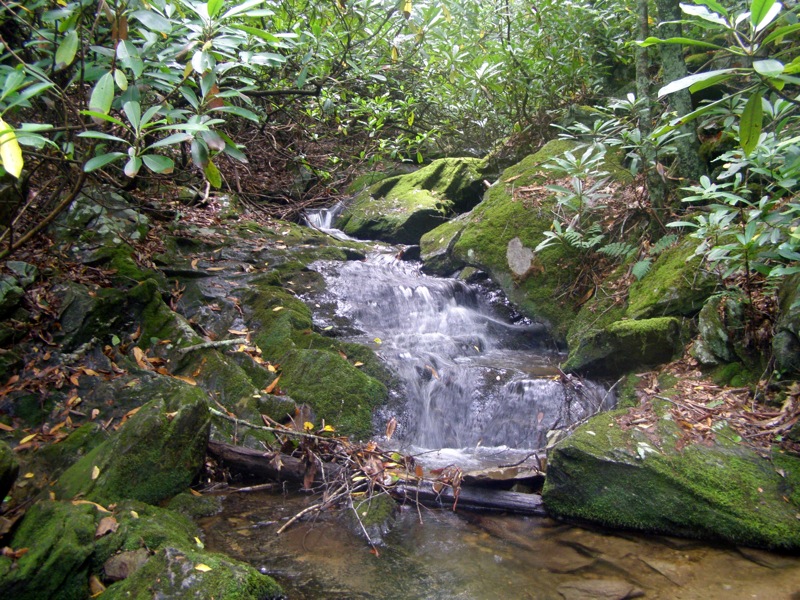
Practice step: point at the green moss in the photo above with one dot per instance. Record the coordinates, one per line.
(631, 479)
(195, 506)
(676, 285)
(153, 456)
(626, 391)
(9, 469)
(59, 537)
(401, 209)
(54, 458)
(119, 258)
(625, 346)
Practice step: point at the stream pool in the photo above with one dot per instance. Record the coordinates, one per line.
(438, 554)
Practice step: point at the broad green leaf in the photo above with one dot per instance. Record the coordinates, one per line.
(98, 115)
(199, 153)
(750, 124)
(10, 152)
(701, 85)
(133, 111)
(713, 5)
(213, 175)
(175, 138)
(158, 164)
(213, 140)
(246, 7)
(239, 112)
(768, 68)
(234, 152)
(102, 94)
(99, 135)
(259, 33)
(651, 41)
(13, 81)
(29, 92)
(120, 79)
(101, 161)
(128, 55)
(686, 82)
(680, 121)
(149, 114)
(780, 32)
(132, 166)
(213, 7)
(67, 50)
(769, 16)
(152, 20)
(705, 14)
(759, 10)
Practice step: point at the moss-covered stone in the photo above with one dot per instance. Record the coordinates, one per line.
(59, 537)
(9, 469)
(720, 327)
(153, 456)
(313, 368)
(625, 346)
(174, 573)
(195, 506)
(640, 480)
(786, 341)
(676, 285)
(436, 247)
(55, 458)
(401, 209)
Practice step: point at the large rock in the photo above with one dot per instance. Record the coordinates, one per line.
(625, 346)
(652, 480)
(786, 342)
(9, 469)
(153, 456)
(138, 550)
(498, 236)
(721, 329)
(401, 209)
(59, 538)
(676, 285)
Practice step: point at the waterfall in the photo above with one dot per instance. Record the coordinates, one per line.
(469, 377)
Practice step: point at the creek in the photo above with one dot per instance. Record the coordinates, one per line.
(477, 387)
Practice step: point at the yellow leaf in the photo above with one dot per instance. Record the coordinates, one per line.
(394, 54)
(277, 308)
(95, 504)
(29, 476)
(407, 8)
(377, 340)
(194, 492)
(202, 568)
(185, 379)
(199, 543)
(271, 368)
(328, 428)
(308, 426)
(134, 514)
(95, 472)
(215, 269)
(10, 152)
(27, 438)
(194, 263)
(358, 363)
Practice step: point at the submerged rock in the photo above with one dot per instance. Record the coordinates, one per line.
(652, 480)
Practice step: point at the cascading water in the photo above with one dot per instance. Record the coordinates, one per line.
(469, 377)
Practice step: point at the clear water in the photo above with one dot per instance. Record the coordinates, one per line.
(480, 557)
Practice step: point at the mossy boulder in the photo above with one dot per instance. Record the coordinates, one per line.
(627, 345)
(721, 326)
(316, 370)
(153, 456)
(676, 285)
(631, 478)
(786, 342)
(401, 209)
(59, 537)
(9, 469)
(498, 236)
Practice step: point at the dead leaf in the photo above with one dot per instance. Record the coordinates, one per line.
(202, 568)
(194, 263)
(194, 492)
(14, 554)
(4, 427)
(390, 427)
(358, 363)
(96, 586)
(105, 526)
(95, 504)
(271, 387)
(185, 379)
(215, 269)
(95, 472)
(277, 308)
(27, 438)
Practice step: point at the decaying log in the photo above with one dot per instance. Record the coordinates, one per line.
(259, 464)
(470, 498)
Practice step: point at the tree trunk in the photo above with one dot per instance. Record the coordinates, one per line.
(656, 185)
(690, 167)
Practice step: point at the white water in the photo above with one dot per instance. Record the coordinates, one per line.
(470, 378)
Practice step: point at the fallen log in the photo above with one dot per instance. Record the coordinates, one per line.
(469, 498)
(261, 465)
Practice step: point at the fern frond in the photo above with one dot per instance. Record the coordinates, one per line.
(642, 268)
(618, 250)
(662, 244)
